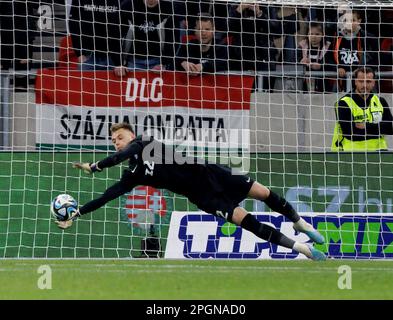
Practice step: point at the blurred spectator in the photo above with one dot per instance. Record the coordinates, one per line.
(251, 47)
(286, 23)
(386, 50)
(219, 10)
(202, 55)
(179, 20)
(95, 30)
(289, 21)
(330, 17)
(18, 25)
(67, 57)
(149, 43)
(6, 34)
(352, 47)
(24, 19)
(312, 52)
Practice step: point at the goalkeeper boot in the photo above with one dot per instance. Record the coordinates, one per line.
(315, 254)
(308, 229)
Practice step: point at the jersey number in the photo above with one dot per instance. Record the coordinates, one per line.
(150, 168)
(222, 214)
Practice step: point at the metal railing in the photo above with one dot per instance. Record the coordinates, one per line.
(294, 71)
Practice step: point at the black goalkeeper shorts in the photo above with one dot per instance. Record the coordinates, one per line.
(222, 191)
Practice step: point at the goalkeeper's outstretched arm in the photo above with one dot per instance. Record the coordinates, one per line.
(113, 192)
(123, 138)
(112, 160)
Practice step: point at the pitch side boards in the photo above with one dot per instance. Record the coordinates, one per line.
(197, 235)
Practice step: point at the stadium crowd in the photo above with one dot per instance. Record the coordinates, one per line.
(208, 36)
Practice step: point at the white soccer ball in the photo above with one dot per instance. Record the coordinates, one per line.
(63, 207)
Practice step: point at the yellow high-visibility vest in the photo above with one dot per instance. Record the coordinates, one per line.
(372, 114)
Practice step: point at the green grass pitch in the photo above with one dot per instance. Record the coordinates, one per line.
(201, 279)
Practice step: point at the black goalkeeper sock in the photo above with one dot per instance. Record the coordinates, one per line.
(266, 232)
(280, 205)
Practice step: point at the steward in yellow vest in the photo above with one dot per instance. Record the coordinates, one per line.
(363, 118)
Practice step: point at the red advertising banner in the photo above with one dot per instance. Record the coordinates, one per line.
(143, 89)
(76, 109)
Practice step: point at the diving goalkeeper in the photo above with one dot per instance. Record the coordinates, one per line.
(212, 188)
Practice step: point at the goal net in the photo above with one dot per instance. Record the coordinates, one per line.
(253, 85)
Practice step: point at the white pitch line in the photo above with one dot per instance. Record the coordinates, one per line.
(191, 268)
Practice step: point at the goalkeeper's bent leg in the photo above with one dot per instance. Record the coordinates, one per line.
(273, 201)
(280, 205)
(248, 222)
(264, 231)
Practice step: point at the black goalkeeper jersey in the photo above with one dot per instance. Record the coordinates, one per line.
(152, 163)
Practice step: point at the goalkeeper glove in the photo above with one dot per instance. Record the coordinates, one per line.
(64, 224)
(86, 167)
(68, 223)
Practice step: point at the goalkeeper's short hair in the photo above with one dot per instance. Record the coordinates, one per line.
(123, 125)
